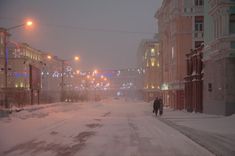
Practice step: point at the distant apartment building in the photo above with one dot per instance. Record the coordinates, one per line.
(150, 64)
(219, 57)
(181, 28)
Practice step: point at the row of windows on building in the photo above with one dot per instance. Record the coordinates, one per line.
(199, 2)
(25, 52)
(152, 62)
(151, 86)
(150, 57)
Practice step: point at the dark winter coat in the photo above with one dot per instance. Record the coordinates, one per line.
(156, 104)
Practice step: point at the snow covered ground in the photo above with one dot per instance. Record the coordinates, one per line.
(106, 128)
(216, 133)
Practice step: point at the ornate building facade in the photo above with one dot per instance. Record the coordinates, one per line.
(219, 58)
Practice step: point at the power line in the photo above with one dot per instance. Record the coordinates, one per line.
(74, 27)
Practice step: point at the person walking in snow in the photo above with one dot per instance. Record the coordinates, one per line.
(156, 106)
(161, 106)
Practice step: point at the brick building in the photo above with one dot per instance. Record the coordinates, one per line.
(181, 26)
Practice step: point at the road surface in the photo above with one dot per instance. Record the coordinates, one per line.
(106, 128)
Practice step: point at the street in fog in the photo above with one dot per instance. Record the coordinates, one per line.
(84, 78)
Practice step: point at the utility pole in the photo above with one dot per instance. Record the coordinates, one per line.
(62, 81)
(6, 34)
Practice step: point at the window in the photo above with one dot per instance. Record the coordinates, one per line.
(199, 23)
(209, 87)
(232, 24)
(147, 63)
(199, 2)
(153, 62)
(1, 40)
(172, 52)
(233, 44)
(145, 55)
(152, 52)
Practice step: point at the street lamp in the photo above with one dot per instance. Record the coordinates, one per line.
(28, 23)
(76, 58)
(6, 33)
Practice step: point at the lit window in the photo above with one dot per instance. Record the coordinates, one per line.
(152, 52)
(145, 55)
(16, 85)
(21, 84)
(158, 65)
(153, 62)
(147, 86)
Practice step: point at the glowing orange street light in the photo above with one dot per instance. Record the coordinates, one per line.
(76, 58)
(29, 23)
(78, 72)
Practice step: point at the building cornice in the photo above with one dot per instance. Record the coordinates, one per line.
(216, 5)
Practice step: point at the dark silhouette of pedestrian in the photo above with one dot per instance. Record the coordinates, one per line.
(156, 106)
(161, 106)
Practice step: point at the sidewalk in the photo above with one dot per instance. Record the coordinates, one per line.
(214, 132)
(5, 112)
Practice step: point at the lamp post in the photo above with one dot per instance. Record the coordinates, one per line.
(6, 34)
(76, 58)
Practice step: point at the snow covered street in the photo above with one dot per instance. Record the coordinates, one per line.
(106, 128)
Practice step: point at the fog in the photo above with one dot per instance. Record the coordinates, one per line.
(104, 33)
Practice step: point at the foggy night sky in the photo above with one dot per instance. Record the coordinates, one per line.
(104, 33)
